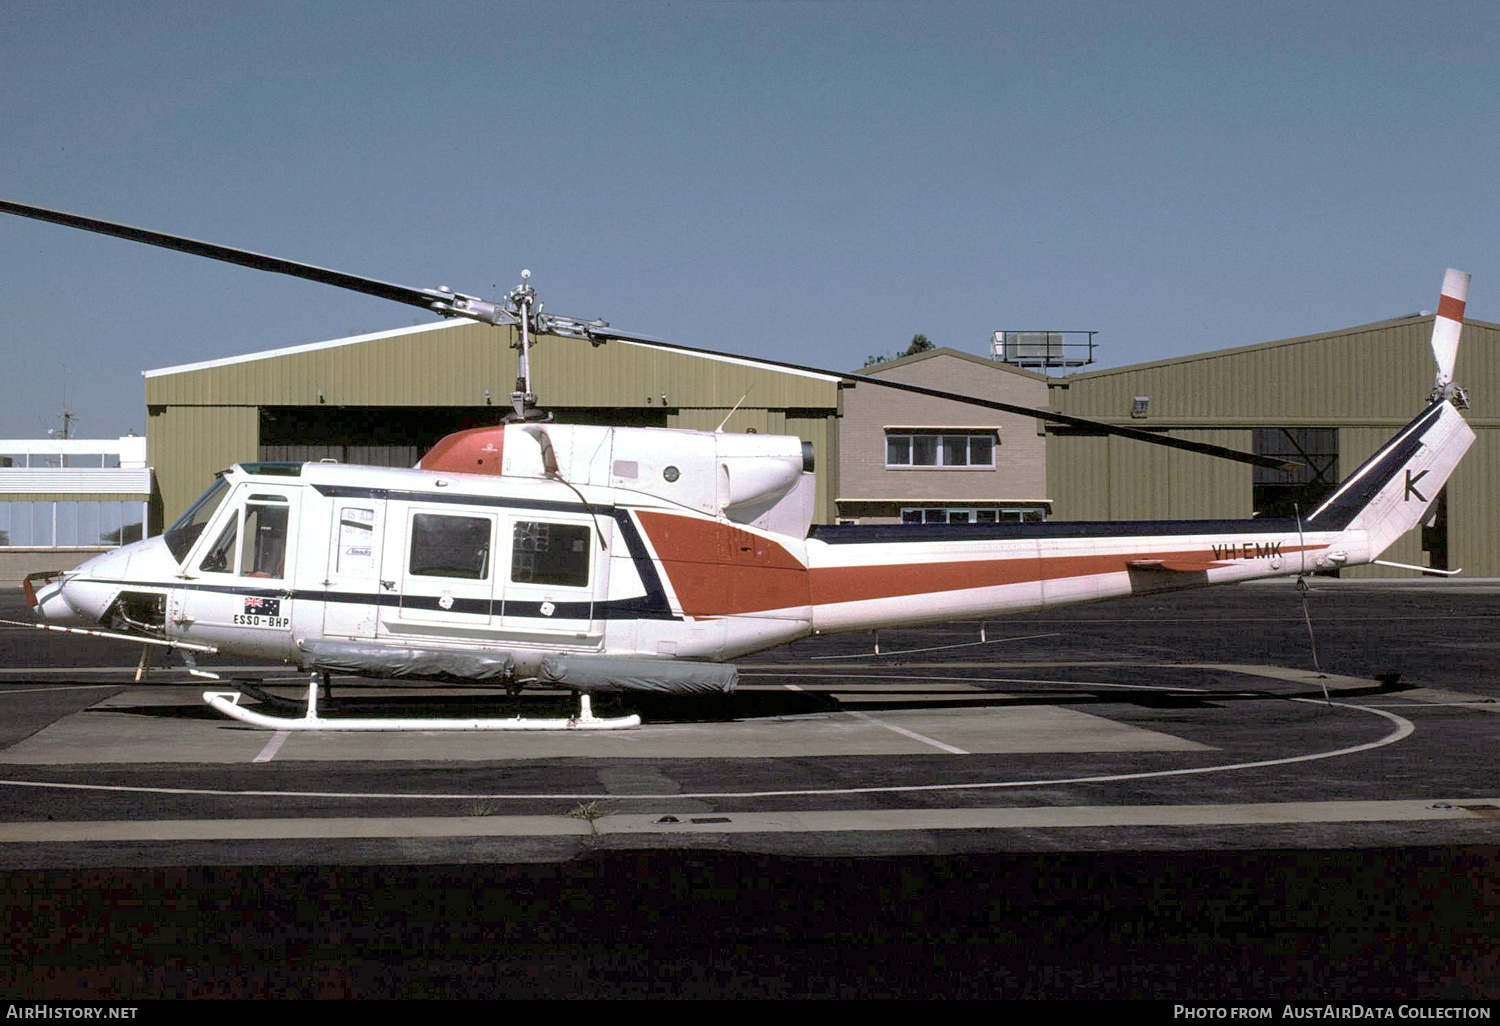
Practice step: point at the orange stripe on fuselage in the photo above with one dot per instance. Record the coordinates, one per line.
(717, 569)
(861, 583)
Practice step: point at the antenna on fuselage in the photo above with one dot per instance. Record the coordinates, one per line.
(731, 412)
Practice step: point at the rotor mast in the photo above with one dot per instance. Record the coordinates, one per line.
(522, 310)
(520, 300)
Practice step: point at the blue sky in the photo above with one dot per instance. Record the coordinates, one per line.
(805, 181)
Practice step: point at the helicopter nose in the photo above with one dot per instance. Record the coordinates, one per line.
(73, 596)
(51, 602)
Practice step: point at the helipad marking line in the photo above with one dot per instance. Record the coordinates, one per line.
(905, 733)
(1045, 818)
(899, 730)
(273, 746)
(1404, 728)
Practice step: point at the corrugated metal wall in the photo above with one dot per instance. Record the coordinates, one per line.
(1100, 478)
(189, 444)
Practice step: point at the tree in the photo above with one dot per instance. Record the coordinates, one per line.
(919, 344)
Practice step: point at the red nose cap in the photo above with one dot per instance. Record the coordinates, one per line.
(28, 588)
(475, 451)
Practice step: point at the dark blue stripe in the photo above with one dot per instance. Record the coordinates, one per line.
(908, 533)
(1377, 472)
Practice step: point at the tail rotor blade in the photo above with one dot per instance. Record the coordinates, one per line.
(1448, 324)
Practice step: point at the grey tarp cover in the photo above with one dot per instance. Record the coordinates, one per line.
(407, 663)
(606, 673)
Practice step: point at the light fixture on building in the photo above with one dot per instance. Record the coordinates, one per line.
(1140, 407)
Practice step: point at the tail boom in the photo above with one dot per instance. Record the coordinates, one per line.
(864, 585)
(868, 577)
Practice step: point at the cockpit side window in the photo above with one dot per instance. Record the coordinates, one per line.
(222, 558)
(182, 534)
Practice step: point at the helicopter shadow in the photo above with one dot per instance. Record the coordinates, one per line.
(755, 703)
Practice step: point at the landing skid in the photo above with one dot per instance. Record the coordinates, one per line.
(228, 703)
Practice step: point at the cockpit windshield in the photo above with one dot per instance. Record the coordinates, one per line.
(181, 535)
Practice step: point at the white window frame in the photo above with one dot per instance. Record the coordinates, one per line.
(943, 440)
(972, 514)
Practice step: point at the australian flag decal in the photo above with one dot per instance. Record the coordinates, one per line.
(263, 607)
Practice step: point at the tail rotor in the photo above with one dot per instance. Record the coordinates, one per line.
(1446, 328)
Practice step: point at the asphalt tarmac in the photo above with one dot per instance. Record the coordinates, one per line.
(1175, 797)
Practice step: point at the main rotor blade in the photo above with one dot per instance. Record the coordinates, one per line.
(451, 304)
(424, 298)
(1094, 426)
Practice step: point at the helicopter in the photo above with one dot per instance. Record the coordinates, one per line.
(618, 559)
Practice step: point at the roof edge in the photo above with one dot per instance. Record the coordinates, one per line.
(874, 369)
(1214, 354)
(308, 347)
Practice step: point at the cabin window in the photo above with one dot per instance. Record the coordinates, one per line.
(265, 541)
(939, 449)
(544, 553)
(446, 546)
(356, 551)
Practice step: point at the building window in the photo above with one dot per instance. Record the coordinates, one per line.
(939, 449)
(971, 514)
(68, 524)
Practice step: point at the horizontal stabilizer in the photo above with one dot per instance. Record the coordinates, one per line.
(1176, 566)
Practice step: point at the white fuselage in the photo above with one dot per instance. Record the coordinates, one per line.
(605, 542)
